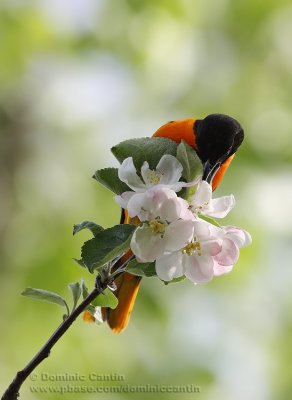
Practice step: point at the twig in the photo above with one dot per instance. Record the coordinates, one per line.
(12, 392)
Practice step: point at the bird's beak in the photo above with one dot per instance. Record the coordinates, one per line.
(210, 169)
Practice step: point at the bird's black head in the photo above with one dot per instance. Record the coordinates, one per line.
(218, 136)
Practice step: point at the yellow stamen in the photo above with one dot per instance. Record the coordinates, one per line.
(198, 209)
(192, 248)
(157, 226)
(153, 177)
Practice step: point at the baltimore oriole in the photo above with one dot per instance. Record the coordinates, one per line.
(215, 139)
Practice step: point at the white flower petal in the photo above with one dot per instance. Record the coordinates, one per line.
(150, 204)
(173, 209)
(179, 185)
(220, 207)
(229, 253)
(170, 169)
(169, 266)
(140, 205)
(216, 231)
(127, 173)
(161, 194)
(198, 269)
(145, 171)
(201, 229)
(146, 245)
(203, 195)
(98, 315)
(185, 212)
(124, 199)
(160, 197)
(178, 234)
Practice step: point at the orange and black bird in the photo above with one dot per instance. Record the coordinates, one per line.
(215, 139)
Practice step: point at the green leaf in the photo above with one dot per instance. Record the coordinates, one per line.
(91, 309)
(109, 178)
(92, 226)
(141, 269)
(210, 220)
(106, 299)
(192, 165)
(41, 294)
(144, 149)
(84, 289)
(175, 280)
(79, 262)
(76, 292)
(106, 246)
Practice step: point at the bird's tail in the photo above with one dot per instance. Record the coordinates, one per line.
(127, 289)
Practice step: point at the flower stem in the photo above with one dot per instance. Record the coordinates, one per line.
(12, 392)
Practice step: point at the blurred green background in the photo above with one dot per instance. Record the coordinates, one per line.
(77, 77)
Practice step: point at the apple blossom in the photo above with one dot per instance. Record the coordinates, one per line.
(158, 201)
(163, 229)
(210, 252)
(167, 175)
(172, 233)
(239, 236)
(233, 238)
(195, 260)
(203, 203)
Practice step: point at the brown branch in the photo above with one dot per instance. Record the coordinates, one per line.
(12, 392)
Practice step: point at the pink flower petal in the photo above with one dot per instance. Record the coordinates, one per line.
(148, 205)
(159, 196)
(229, 253)
(211, 247)
(222, 269)
(239, 236)
(199, 269)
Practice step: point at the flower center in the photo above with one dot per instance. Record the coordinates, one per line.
(192, 248)
(153, 177)
(157, 226)
(196, 209)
